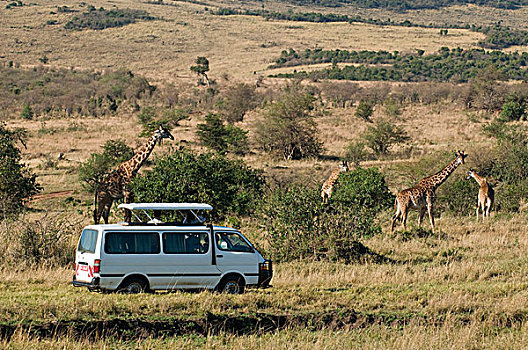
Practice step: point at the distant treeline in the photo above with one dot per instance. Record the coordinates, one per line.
(404, 5)
(325, 17)
(497, 37)
(456, 65)
(99, 19)
(69, 92)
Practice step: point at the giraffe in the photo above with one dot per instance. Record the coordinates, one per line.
(422, 195)
(328, 185)
(486, 194)
(115, 185)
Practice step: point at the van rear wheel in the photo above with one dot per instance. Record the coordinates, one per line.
(133, 286)
(231, 285)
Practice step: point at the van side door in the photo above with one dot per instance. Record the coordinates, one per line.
(188, 260)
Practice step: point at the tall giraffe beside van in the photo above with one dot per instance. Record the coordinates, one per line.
(115, 185)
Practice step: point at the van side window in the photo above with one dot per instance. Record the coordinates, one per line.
(132, 243)
(231, 241)
(88, 241)
(185, 242)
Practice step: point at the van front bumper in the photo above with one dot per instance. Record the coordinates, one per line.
(92, 285)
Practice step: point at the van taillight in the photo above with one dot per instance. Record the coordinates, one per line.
(97, 265)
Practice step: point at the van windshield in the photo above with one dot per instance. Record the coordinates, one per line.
(88, 241)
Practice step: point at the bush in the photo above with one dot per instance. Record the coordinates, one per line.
(17, 182)
(27, 112)
(221, 138)
(364, 110)
(512, 110)
(288, 129)
(383, 135)
(230, 186)
(299, 226)
(363, 188)
(458, 196)
(355, 152)
(92, 171)
(237, 101)
(150, 121)
(48, 241)
(392, 108)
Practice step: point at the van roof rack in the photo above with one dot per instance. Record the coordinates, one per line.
(180, 207)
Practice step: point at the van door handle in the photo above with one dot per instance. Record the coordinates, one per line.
(219, 256)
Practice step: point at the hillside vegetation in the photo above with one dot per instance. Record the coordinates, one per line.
(265, 100)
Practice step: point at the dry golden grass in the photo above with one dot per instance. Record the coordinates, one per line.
(165, 49)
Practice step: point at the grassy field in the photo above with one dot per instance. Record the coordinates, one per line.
(464, 287)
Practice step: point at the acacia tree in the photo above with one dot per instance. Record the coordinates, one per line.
(288, 129)
(383, 135)
(17, 182)
(202, 66)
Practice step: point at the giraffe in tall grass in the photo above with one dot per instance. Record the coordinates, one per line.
(115, 185)
(486, 194)
(422, 195)
(328, 185)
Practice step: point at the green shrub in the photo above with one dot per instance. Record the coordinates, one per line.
(222, 138)
(230, 186)
(27, 112)
(17, 182)
(512, 110)
(356, 153)
(299, 226)
(237, 101)
(364, 110)
(288, 129)
(150, 121)
(98, 165)
(383, 135)
(363, 188)
(458, 196)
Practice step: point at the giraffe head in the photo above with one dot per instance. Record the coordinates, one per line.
(162, 133)
(470, 174)
(460, 157)
(343, 167)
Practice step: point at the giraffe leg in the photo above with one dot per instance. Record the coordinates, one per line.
(431, 216)
(421, 216)
(100, 206)
(128, 198)
(478, 209)
(405, 211)
(107, 206)
(396, 215)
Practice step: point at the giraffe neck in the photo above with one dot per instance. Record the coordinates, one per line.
(480, 180)
(132, 166)
(433, 181)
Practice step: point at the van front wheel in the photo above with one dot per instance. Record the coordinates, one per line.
(133, 286)
(231, 285)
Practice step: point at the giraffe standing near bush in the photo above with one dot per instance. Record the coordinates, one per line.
(422, 196)
(328, 185)
(486, 194)
(115, 185)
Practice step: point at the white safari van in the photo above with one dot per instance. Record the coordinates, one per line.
(153, 255)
